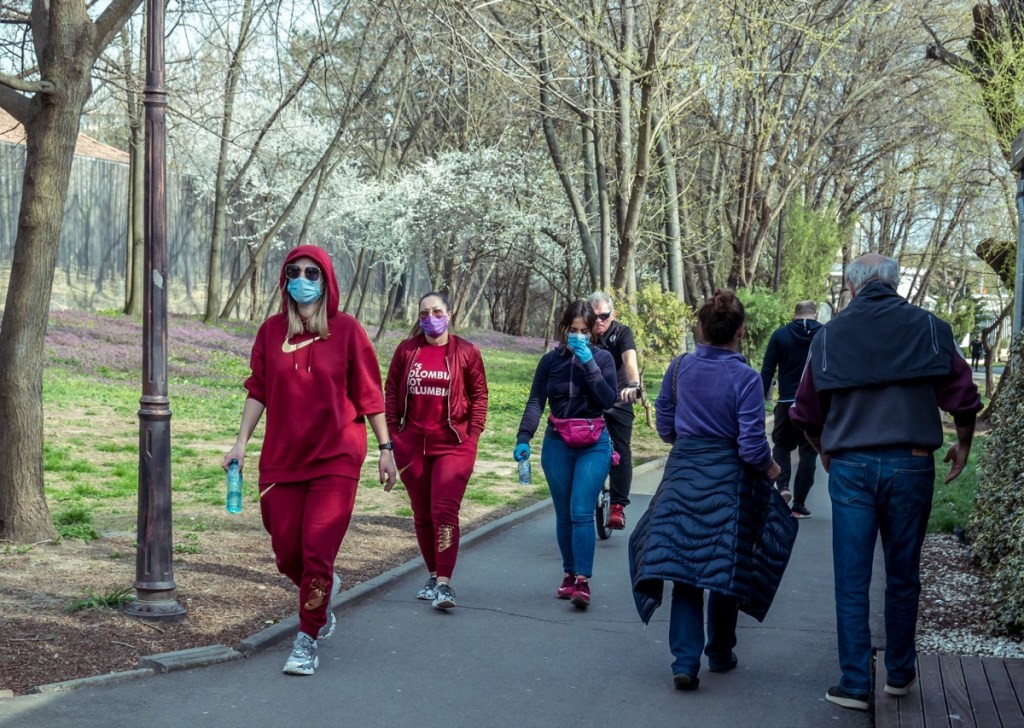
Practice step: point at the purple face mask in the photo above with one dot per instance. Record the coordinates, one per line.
(434, 325)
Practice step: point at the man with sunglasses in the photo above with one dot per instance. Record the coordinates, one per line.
(617, 339)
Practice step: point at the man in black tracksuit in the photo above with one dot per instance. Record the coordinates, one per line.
(787, 350)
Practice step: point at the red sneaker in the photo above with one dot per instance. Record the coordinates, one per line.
(616, 517)
(567, 588)
(581, 594)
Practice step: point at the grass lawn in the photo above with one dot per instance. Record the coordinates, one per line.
(91, 392)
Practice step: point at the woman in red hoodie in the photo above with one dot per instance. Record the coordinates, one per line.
(436, 404)
(316, 374)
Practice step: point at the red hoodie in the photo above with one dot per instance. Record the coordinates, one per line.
(316, 396)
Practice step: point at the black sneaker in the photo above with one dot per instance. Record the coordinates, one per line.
(786, 495)
(900, 690)
(724, 666)
(682, 681)
(842, 698)
(800, 511)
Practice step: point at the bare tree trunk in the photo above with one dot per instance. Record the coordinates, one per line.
(135, 237)
(220, 185)
(671, 205)
(51, 127)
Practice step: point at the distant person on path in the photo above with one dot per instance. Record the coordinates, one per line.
(869, 401)
(578, 381)
(977, 352)
(787, 351)
(435, 399)
(716, 521)
(316, 374)
(617, 339)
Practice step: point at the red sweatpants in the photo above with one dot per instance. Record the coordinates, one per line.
(307, 521)
(435, 470)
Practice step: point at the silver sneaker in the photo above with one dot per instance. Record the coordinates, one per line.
(328, 629)
(303, 660)
(445, 597)
(429, 590)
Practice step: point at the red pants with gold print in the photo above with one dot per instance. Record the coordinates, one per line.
(307, 521)
(435, 470)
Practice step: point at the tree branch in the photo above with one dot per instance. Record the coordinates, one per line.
(20, 84)
(18, 106)
(938, 52)
(110, 21)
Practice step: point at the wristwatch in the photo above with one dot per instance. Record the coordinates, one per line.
(386, 446)
(634, 385)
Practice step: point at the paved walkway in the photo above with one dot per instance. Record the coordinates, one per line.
(509, 655)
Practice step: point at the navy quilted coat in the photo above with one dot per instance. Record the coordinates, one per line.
(715, 524)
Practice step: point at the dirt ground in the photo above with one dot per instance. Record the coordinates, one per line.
(230, 590)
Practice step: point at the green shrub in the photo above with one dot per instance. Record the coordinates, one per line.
(997, 526)
(659, 321)
(763, 313)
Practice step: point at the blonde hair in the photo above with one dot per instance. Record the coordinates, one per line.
(315, 324)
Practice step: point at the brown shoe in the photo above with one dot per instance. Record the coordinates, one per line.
(616, 517)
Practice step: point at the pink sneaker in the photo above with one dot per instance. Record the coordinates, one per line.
(565, 591)
(581, 594)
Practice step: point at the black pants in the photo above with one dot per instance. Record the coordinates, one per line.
(786, 438)
(619, 423)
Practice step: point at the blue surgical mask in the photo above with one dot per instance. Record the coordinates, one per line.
(303, 290)
(577, 339)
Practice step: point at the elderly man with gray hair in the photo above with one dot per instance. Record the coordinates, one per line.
(617, 339)
(869, 401)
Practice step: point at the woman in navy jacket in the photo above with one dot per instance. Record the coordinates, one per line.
(716, 521)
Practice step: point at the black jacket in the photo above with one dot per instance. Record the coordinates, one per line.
(787, 349)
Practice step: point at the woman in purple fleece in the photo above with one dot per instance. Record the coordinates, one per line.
(700, 527)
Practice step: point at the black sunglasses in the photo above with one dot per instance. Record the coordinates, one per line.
(292, 272)
(604, 316)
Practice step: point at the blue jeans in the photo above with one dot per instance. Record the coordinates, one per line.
(575, 476)
(887, 492)
(686, 629)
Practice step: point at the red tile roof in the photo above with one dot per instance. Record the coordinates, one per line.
(11, 131)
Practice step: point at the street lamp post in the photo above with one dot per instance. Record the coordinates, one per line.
(154, 572)
(1017, 165)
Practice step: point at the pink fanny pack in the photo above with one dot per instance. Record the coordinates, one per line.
(578, 431)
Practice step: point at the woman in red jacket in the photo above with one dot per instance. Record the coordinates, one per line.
(316, 374)
(435, 400)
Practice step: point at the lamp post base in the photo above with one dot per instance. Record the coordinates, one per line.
(157, 610)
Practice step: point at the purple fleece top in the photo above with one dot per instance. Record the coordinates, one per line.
(717, 395)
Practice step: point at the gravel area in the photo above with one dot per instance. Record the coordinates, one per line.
(956, 606)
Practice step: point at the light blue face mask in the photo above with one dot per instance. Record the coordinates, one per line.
(304, 291)
(578, 339)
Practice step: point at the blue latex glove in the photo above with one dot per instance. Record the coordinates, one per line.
(580, 348)
(522, 452)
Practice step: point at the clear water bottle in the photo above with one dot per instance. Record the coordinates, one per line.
(234, 503)
(524, 472)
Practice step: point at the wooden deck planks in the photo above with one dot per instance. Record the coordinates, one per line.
(955, 692)
(958, 705)
(933, 694)
(982, 703)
